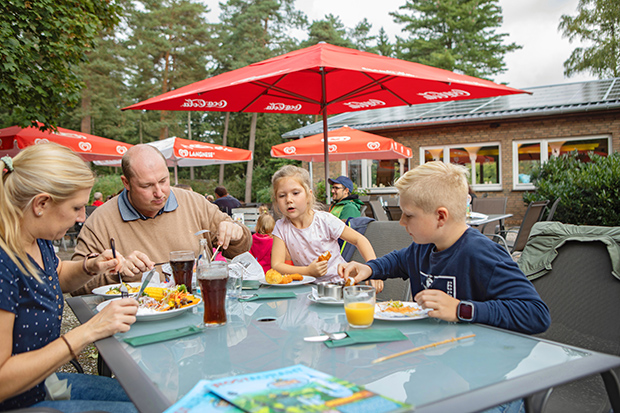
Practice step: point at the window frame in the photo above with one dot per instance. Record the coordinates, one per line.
(544, 154)
(446, 159)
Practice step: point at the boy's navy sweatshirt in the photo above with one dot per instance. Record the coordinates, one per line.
(475, 269)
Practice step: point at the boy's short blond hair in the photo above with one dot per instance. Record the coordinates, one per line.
(433, 185)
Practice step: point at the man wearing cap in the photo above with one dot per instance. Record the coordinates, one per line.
(345, 204)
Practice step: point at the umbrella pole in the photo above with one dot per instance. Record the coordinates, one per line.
(325, 137)
(176, 178)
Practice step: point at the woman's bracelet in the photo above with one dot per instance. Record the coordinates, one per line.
(69, 346)
(86, 258)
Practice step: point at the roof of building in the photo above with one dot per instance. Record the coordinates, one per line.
(543, 101)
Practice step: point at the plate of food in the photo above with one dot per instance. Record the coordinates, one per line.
(112, 290)
(159, 303)
(273, 277)
(400, 311)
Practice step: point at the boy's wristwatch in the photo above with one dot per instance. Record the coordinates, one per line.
(465, 311)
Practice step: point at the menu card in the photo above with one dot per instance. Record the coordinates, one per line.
(201, 400)
(292, 389)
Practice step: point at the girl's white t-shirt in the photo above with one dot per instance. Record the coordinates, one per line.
(305, 245)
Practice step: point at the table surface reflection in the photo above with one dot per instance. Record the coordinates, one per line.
(494, 367)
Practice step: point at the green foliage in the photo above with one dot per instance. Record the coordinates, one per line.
(107, 185)
(43, 42)
(589, 191)
(456, 35)
(597, 24)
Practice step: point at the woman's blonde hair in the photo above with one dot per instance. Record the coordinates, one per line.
(45, 168)
(301, 176)
(265, 224)
(436, 184)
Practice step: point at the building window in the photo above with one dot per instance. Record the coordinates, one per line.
(528, 154)
(368, 173)
(481, 160)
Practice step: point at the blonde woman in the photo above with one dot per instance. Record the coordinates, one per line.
(43, 192)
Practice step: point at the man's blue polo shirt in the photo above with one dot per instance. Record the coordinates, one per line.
(129, 213)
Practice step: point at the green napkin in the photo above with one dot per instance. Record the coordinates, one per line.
(162, 336)
(267, 296)
(250, 284)
(368, 336)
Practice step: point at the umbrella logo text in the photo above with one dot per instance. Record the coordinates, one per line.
(284, 107)
(373, 146)
(337, 139)
(454, 93)
(367, 104)
(85, 146)
(200, 103)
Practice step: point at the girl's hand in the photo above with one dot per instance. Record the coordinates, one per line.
(443, 305)
(116, 317)
(317, 268)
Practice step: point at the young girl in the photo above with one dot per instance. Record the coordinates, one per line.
(304, 233)
(262, 241)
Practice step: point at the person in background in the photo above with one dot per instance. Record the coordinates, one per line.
(263, 209)
(224, 201)
(304, 233)
(262, 240)
(43, 192)
(209, 198)
(345, 205)
(97, 199)
(149, 219)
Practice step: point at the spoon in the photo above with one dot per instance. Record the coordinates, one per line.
(327, 336)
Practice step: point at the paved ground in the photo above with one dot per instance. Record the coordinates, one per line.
(88, 357)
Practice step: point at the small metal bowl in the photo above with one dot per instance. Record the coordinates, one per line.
(320, 288)
(333, 291)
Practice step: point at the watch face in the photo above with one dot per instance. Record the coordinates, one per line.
(466, 311)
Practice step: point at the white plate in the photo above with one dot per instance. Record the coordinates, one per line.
(324, 301)
(417, 314)
(154, 316)
(307, 280)
(102, 290)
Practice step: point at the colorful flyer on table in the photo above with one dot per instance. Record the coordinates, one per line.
(300, 389)
(199, 400)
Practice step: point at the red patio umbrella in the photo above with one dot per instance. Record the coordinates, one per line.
(344, 144)
(89, 147)
(324, 79)
(185, 152)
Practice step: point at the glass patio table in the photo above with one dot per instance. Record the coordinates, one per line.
(494, 367)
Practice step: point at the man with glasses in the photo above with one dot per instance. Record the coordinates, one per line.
(345, 204)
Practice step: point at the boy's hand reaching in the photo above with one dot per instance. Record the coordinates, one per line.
(443, 305)
(317, 268)
(359, 272)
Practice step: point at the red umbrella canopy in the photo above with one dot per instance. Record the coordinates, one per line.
(89, 147)
(324, 79)
(184, 152)
(344, 144)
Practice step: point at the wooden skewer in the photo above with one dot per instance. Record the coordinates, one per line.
(450, 340)
(215, 253)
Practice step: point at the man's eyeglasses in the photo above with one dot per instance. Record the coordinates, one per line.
(337, 187)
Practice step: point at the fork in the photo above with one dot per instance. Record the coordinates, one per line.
(331, 336)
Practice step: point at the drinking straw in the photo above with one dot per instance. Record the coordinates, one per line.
(450, 340)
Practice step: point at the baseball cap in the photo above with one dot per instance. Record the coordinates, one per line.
(342, 180)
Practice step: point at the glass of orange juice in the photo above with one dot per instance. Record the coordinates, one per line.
(359, 305)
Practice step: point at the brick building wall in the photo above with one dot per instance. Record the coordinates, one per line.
(506, 131)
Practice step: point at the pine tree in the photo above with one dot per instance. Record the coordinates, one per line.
(598, 24)
(456, 35)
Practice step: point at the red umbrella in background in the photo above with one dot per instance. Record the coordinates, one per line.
(184, 152)
(344, 144)
(89, 147)
(324, 79)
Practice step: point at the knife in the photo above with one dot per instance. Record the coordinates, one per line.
(147, 279)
